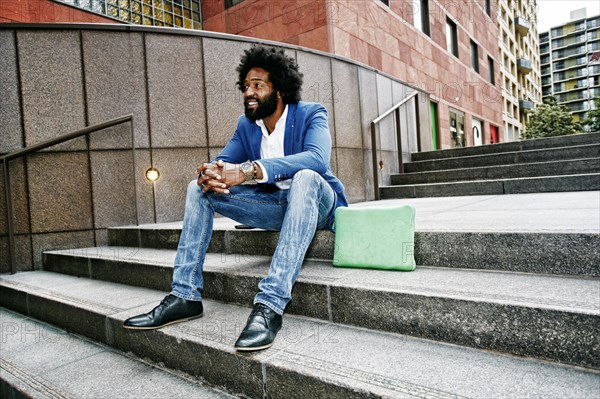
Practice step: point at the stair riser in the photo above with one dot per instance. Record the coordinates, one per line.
(548, 334)
(590, 182)
(580, 139)
(260, 242)
(558, 154)
(515, 329)
(214, 362)
(500, 172)
(566, 254)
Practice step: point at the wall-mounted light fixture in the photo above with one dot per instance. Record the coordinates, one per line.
(152, 174)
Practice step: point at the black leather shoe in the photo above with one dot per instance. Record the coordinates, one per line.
(170, 311)
(260, 331)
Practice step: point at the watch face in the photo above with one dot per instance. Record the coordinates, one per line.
(248, 170)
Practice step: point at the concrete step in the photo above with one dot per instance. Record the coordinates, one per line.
(553, 233)
(550, 142)
(542, 184)
(42, 361)
(466, 307)
(509, 171)
(590, 152)
(310, 358)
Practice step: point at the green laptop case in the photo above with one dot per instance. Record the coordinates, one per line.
(375, 238)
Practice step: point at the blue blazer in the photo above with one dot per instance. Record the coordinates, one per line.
(307, 145)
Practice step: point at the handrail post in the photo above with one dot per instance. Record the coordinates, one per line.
(9, 217)
(399, 140)
(135, 192)
(375, 164)
(396, 110)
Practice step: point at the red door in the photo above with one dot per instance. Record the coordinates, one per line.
(494, 134)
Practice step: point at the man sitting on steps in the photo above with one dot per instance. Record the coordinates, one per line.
(283, 144)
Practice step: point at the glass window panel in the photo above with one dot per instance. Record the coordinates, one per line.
(195, 16)
(137, 19)
(124, 15)
(136, 7)
(196, 6)
(147, 1)
(169, 18)
(177, 10)
(187, 23)
(158, 14)
(87, 4)
(98, 6)
(187, 4)
(178, 21)
(113, 2)
(113, 11)
(168, 6)
(147, 21)
(147, 10)
(158, 23)
(197, 25)
(158, 4)
(187, 14)
(124, 3)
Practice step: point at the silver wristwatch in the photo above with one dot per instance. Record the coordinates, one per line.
(248, 170)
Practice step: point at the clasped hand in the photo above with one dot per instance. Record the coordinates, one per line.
(219, 176)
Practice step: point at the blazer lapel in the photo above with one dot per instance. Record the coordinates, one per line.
(288, 140)
(255, 140)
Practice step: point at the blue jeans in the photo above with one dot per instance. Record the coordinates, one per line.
(297, 212)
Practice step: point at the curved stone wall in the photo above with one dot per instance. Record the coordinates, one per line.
(180, 87)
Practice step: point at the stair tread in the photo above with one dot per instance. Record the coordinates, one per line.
(525, 145)
(562, 212)
(356, 359)
(493, 180)
(42, 361)
(573, 294)
(509, 167)
(520, 155)
(544, 184)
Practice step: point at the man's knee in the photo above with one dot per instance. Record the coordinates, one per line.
(306, 176)
(193, 189)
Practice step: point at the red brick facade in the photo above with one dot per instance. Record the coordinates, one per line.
(46, 11)
(384, 37)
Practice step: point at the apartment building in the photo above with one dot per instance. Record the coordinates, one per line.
(520, 58)
(570, 68)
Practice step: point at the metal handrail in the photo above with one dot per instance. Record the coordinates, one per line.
(4, 159)
(374, 125)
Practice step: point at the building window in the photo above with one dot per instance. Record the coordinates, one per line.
(474, 56)
(451, 37)
(231, 3)
(421, 15)
(488, 7)
(386, 2)
(491, 72)
(174, 13)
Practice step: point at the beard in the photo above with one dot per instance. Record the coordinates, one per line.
(264, 109)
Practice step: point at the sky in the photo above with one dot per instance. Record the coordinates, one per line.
(551, 13)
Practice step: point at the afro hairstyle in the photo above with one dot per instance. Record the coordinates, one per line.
(283, 71)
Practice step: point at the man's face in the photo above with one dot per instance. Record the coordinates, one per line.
(260, 100)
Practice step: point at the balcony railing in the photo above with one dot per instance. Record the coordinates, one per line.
(524, 65)
(525, 105)
(522, 25)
